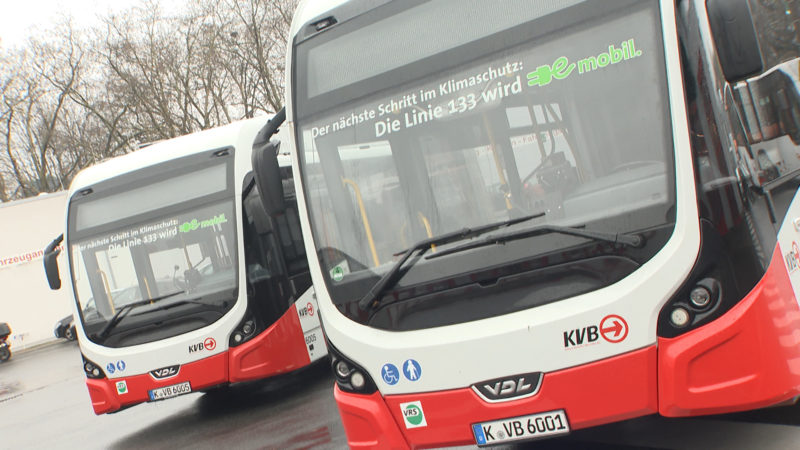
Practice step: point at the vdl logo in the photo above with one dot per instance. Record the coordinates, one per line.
(413, 416)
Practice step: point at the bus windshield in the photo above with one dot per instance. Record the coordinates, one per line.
(156, 259)
(460, 124)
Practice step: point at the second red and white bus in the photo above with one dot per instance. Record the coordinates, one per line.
(182, 282)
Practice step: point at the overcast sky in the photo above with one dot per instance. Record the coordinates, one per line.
(18, 16)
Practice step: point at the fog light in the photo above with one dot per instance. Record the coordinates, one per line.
(679, 317)
(700, 297)
(342, 369)
(237, 337)
(96, 372)
(357, 380)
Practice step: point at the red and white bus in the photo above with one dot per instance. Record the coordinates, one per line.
(182, 282)
(526, 218)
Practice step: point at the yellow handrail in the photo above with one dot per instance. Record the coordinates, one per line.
(427, 228)
(364, 219)
(108, 290)
(147, 287)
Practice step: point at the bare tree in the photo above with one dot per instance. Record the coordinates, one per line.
(76, 97)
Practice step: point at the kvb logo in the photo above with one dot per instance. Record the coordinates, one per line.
(792, 258)
(612, 328)
(208, 344)
(308, 310)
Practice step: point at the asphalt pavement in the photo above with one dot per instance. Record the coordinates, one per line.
(44, 404)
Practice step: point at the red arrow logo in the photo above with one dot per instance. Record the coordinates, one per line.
(614, 328)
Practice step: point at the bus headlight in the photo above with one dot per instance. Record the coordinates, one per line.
(246, 330)
(700, 297)
(680, 317)
(350, 377)
(357, 380)
(342, 369)
(92, 370)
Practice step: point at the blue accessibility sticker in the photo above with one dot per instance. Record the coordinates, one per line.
(390, 374)
(412, 370)
(120, 365)
(110, 368)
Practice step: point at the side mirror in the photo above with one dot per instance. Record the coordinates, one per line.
(51, 263)
(266, 171)
(735, 38)
(267, 174)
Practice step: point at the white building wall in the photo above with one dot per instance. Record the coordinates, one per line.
(26, 301)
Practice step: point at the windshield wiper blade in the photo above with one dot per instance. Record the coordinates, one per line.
(372, 298)
(125, 309)
(632, 240)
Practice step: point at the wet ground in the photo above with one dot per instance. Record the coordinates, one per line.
(44, 404)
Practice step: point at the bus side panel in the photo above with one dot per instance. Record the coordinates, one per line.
(748, 358)
(279, 349)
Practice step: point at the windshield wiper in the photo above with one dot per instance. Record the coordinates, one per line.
(632, 240)
(125, 309)
(372, 298)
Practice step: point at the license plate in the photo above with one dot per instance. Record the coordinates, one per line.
(170, 391)
(534, 426)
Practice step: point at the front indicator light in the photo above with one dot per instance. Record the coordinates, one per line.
(679, 317)
(357, 380)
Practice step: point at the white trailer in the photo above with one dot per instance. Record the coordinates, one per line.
(26, 302)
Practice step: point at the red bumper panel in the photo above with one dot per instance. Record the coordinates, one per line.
(279, 349)
(614, 389)
(748, 358)
(367, 422)
(106, 397)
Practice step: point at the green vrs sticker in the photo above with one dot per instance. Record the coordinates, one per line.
(413, 416)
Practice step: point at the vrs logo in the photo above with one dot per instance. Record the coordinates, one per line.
(413, 415)
(612, 328)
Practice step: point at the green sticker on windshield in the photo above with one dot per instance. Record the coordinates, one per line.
(562, 68)
(195, 224)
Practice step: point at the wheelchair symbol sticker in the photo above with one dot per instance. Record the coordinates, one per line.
(390, 374)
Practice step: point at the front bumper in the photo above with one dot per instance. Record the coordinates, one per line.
(614, 389)
(748, 358)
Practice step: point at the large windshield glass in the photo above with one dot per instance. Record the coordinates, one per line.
(554, 107)
(154, 258)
